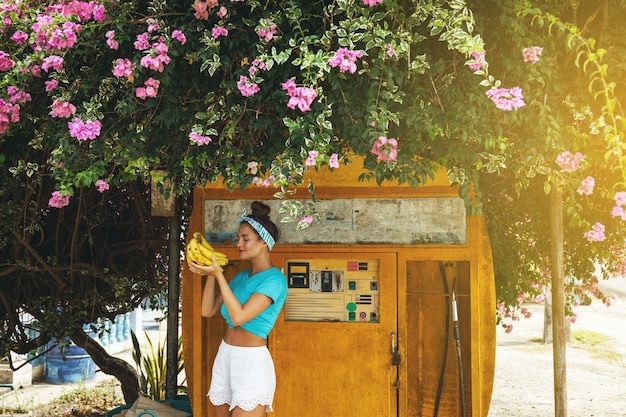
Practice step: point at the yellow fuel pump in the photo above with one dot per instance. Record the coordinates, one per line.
(374, 308)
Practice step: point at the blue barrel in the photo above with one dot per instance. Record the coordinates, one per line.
(71, 366)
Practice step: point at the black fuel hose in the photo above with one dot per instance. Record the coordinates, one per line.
(442, 373)
(457, 337)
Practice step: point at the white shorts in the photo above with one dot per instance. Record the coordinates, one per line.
(243, 377)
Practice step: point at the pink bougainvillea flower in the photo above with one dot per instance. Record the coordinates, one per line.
(506, 99)
(257, 65)
(200, 10)
(596, 234)
(290, 86)
(51, 35)
(620, 198)
(345, 59)
(19, 37)
(99, 12)
(572, 319)
(142, 43)
(306, 95)
(532, 54)
(371, 3)
(102, 186)
(246, 87)
(385, 149)
(150, 89)
(16, 95)
(62, 109)
(51, 85)
(84, 130)
(300, 97)
(155, 62)
(65, 38)
(179, 36)
(53, 61)
(526, 312)
(199, 139)
(333, 161)
(140, 92)
(36, 70)
(111, 42)
(312, 159)
(218, 31)
(389, 50)
(123, 68)
(479, 60)
(305, 220)
(569, 162)
(153, 25)
(84, 10)
(157, 57)
(266, 30)
(222, 11)
(586, 187)
(59, 200)
(620, 202)
(9, 113)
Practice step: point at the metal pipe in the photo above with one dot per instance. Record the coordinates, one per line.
(457, 337)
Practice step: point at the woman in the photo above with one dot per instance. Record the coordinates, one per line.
(244, 379)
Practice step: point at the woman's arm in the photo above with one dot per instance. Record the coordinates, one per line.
(211, 300)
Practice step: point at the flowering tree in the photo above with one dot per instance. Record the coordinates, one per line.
(567, 137)
(555, 213)
(97, 97)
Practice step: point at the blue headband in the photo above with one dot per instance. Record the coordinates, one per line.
(258, 227)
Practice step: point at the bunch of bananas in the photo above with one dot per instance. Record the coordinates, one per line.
(201, 252)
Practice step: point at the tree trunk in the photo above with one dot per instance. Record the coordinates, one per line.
(547, 318)
(110, 365)
(558, 305)
(547, 321)
(173, 301)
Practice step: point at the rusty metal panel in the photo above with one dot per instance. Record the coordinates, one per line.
(440, 220)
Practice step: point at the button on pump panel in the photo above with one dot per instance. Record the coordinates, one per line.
(332, 290)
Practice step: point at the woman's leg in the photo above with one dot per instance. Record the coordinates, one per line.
(222, 411)
(259, 411)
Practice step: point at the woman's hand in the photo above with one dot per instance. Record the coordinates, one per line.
(212, 270)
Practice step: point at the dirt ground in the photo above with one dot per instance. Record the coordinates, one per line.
(596, 375)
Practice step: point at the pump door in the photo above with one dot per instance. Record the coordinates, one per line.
(335, 350)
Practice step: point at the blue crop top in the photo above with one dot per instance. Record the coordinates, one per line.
(271, 283)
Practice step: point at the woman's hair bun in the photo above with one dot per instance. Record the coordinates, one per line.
(260, 209)
(261, 213)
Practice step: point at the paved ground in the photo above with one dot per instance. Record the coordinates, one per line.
(596, 377)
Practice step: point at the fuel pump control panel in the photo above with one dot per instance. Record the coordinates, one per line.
(338, 290)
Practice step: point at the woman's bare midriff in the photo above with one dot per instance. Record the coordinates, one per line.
(236, 336)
